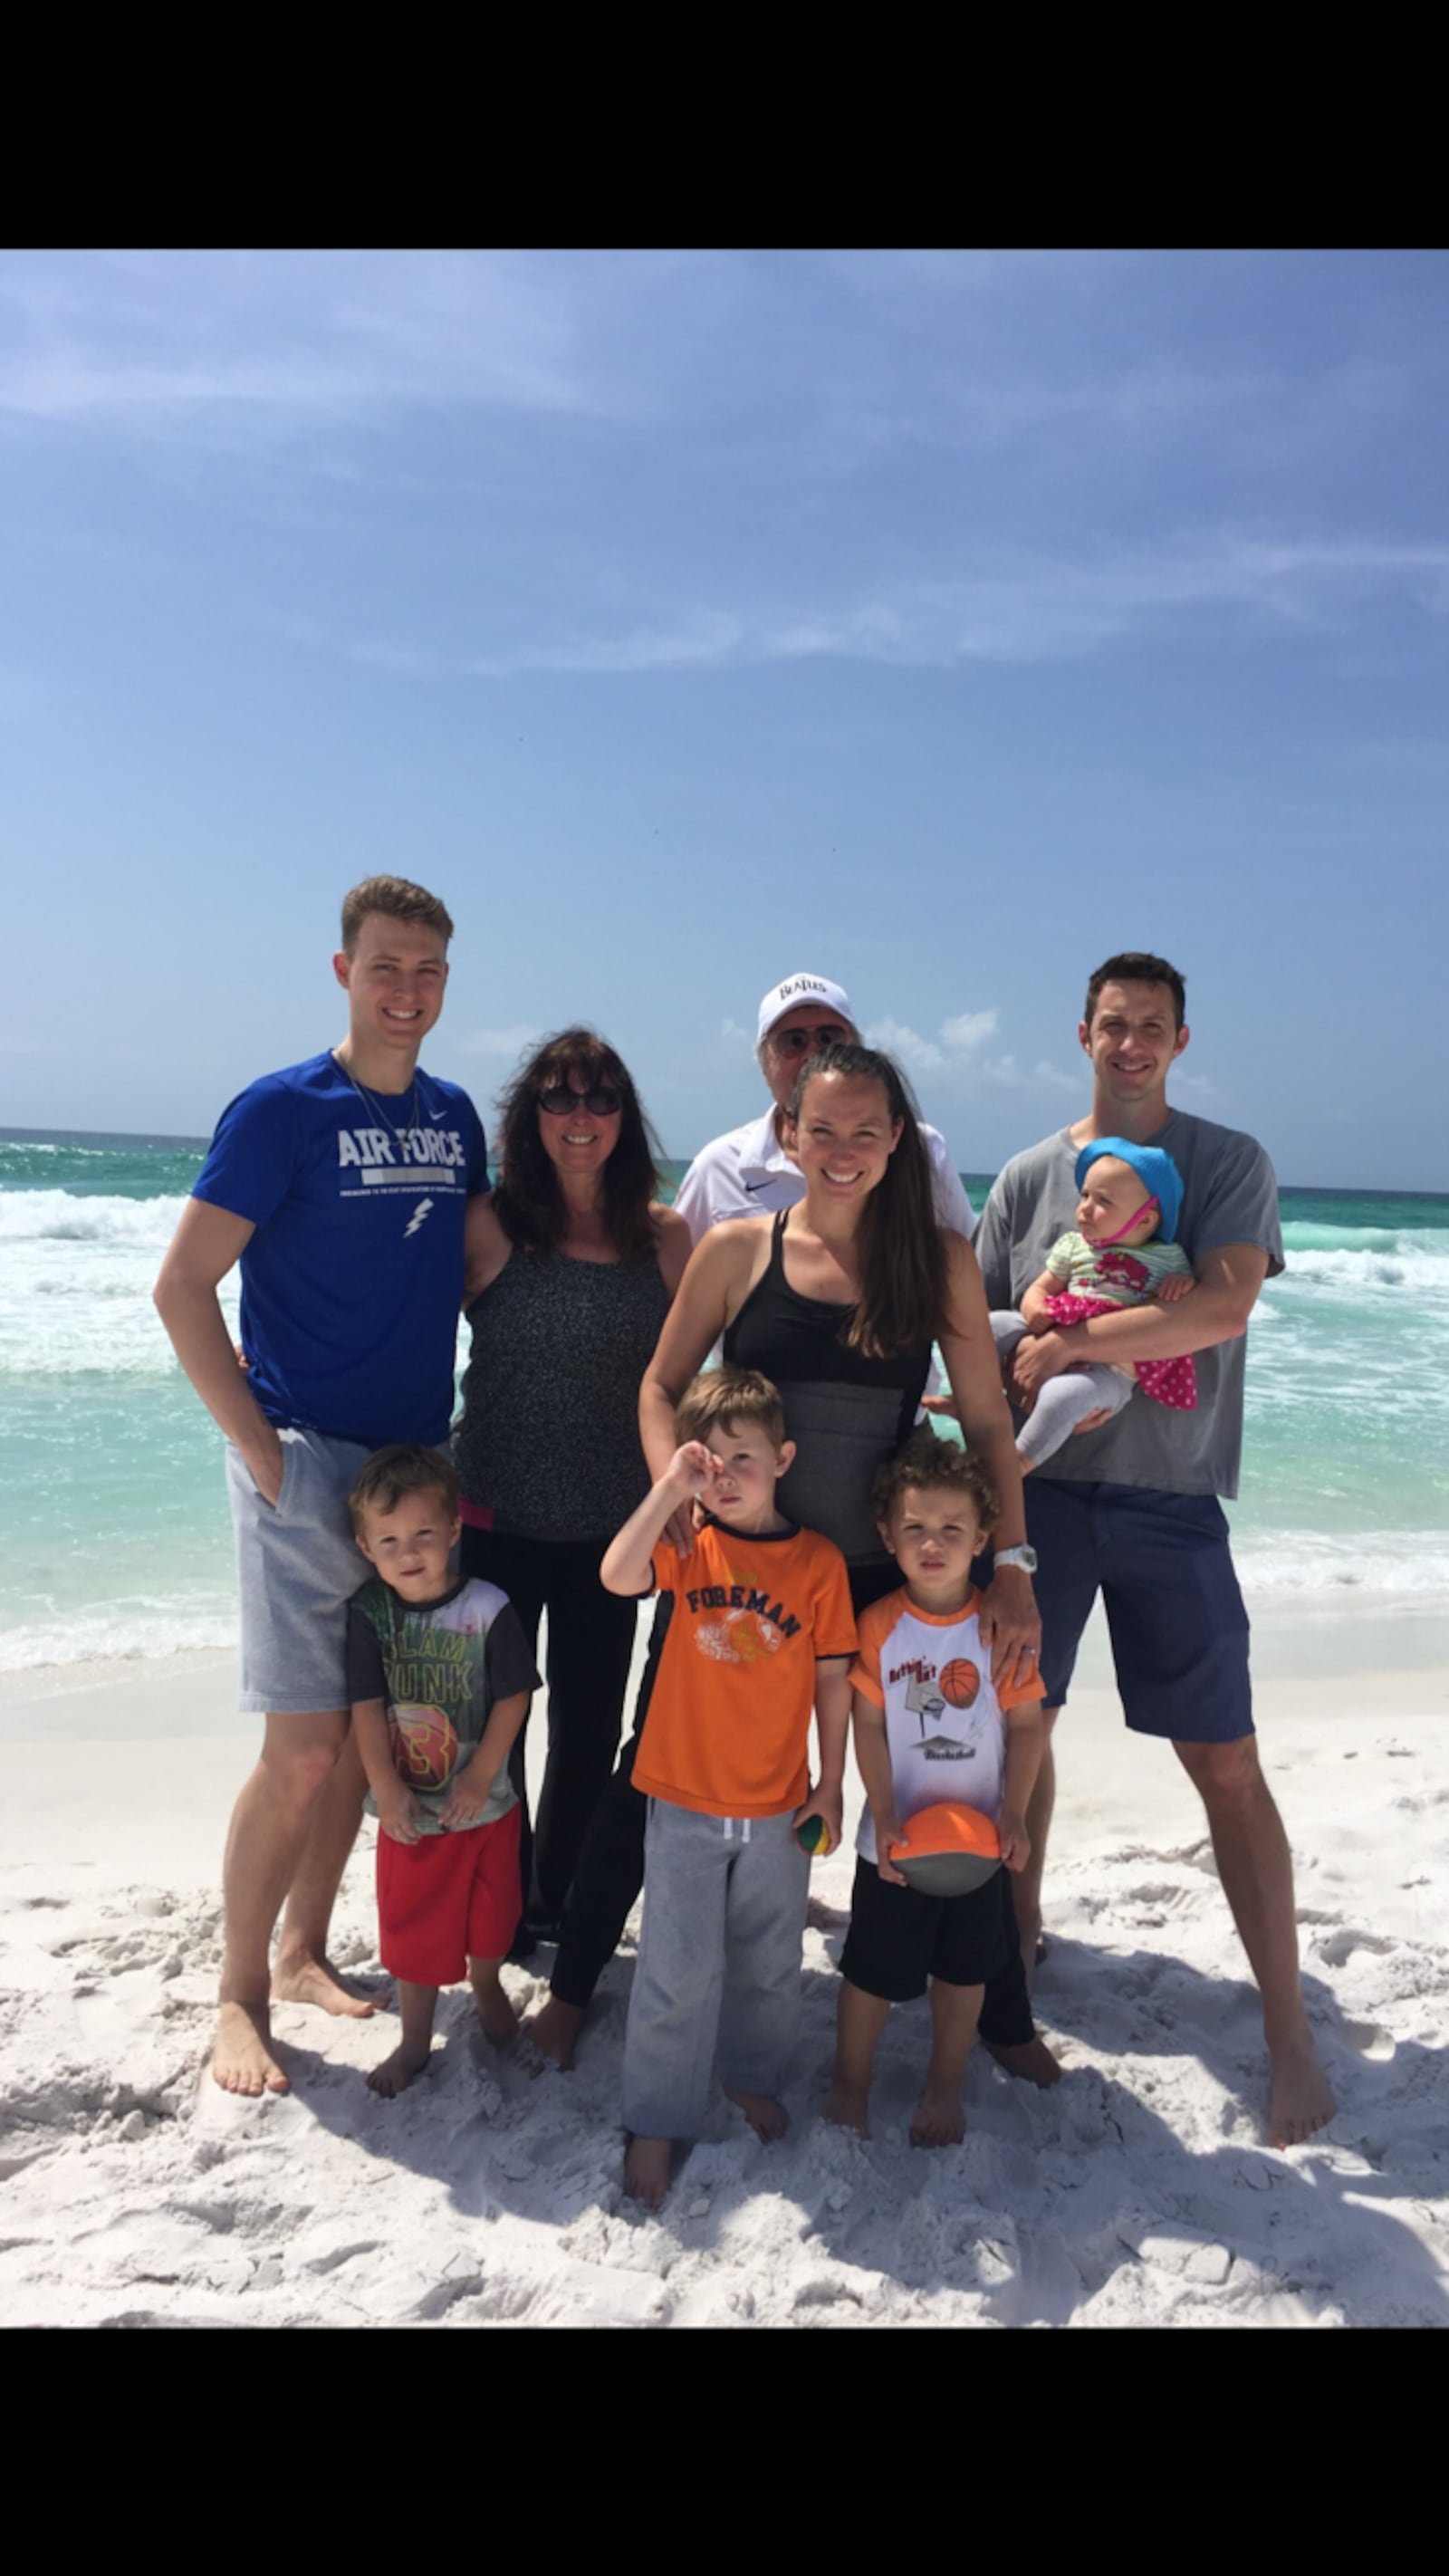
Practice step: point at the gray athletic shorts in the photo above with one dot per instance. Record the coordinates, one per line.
(297, 1568)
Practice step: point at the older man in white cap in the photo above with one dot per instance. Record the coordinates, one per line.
(748, 1172)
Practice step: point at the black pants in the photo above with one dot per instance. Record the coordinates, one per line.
(590, 1645)
(610, 1869)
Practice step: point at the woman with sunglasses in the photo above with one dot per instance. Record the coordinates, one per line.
(570, 1277)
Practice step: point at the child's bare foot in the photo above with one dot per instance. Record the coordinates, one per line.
(396, 2072)
(554, 2029)
(1302, 2098)
(940, 2120)
(305, 1980)
(848, 2108)
(495, 2012)
(241, 2057)
(646, 2170)
(1033, 2062)
(768, 2118)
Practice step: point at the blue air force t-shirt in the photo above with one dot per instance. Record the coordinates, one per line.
(352, 1281)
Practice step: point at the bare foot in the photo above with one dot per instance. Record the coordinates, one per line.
(1302, 2097)
(554, 2029)
(848, 2108)
(940, 2120)
(1033, 2062)
(241, 2058)
(316, 1982)
(646, 2170)
(396, 2072)
(768, 2118)
(496, 2013)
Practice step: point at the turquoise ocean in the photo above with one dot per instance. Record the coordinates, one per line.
(114, 1535)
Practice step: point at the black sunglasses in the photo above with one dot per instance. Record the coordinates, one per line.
(601, 1102)
(806, 1041)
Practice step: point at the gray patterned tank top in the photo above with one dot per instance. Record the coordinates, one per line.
(548, 1439)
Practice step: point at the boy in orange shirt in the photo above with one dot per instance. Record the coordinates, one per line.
(760, 1631)
(930, 1730)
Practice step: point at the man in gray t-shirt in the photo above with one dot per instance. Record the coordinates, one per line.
(1130, 1508)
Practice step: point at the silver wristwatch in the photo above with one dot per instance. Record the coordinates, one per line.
(1025, 1557)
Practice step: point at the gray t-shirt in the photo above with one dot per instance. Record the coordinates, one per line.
(1229, 1195)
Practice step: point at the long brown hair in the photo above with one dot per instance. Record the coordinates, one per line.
(902, 1254)
(529, 1200)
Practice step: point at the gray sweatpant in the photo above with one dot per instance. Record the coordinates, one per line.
(719, 1960)
(1064, 1401)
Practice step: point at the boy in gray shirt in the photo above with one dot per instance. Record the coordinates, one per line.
(1132, 1508)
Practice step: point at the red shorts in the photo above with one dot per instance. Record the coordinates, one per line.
(448, 1898)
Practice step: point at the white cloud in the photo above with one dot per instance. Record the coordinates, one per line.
(732, 1030)
(263, 343)
(969, 1029)
(499, 1041)
(1052, 1078)
(922, 1055)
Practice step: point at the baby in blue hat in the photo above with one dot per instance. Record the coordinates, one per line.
(1121, 1254)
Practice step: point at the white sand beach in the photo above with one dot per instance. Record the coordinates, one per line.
(1139, 2192)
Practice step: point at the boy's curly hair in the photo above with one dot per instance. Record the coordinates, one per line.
(936, 1466)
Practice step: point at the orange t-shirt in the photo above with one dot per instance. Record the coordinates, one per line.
(728, 1725)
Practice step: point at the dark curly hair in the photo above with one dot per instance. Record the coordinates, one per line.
(935, 1466)
(529, 1201)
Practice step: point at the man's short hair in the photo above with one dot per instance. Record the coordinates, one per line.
(724, 1398)
(1135, 966)
(936, 1466)
(404, 1467)
(400, 900)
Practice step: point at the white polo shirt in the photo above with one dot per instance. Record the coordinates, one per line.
(749, 1173)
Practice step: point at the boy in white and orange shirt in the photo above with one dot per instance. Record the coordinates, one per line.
(930, 1729)
(760, 1631)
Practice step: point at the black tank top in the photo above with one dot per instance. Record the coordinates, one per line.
(846, 1412)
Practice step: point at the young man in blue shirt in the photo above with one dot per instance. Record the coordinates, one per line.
(342, 1186)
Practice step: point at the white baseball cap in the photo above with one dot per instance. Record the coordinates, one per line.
(802, 988)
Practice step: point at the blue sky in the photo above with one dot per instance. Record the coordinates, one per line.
(939, 622)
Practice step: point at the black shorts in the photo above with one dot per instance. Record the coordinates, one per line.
(899, 1939)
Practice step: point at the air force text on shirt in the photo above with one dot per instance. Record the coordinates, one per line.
(395, 1160)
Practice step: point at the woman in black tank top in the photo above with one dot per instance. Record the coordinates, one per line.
(839, 1300)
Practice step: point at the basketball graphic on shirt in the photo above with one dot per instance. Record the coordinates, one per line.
(424, 1746)
(740, 1637)
(960, 1682)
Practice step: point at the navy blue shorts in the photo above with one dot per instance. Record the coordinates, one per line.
(1178, 1625)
